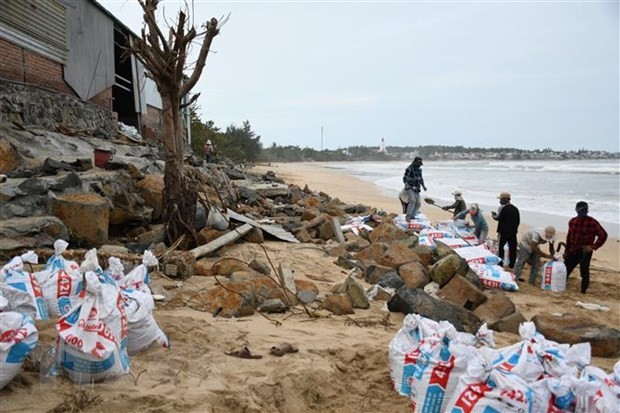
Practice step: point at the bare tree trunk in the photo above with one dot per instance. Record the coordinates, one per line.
(166, 61)
(180, 195)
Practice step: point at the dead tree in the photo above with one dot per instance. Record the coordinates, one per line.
(166, 60)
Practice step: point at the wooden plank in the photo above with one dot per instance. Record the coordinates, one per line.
(337, 230)
(287, 278)
(222, 241)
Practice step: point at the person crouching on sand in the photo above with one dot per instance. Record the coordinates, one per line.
(458, 206)
(529, 250)
(585, 235)
(480, 223)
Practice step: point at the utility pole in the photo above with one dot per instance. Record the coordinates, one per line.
(321, 138)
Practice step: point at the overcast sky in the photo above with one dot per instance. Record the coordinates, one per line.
(526, 74)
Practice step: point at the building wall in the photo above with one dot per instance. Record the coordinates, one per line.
(21, 65)
(31, 105)
(152, 124)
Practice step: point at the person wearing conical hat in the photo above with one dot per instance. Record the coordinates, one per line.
(458, 206)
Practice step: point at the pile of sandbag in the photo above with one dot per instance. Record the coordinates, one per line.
(440, 370)
(18, 337)
(105, 316)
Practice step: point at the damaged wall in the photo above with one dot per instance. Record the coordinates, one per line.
(33, 106)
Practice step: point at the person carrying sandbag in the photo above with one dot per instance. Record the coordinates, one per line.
(529, 250)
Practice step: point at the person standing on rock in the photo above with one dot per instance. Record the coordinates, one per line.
(529, 251)
(508, 220)
(209, 152)
(585, 235)
(413, 181)
(480, 223)
(458, 206)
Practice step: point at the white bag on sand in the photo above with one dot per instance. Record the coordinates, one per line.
(606, 399)
(18, 337)
(477, 255)
(494, 276)
(143, 329)
(138, 278)
(14, 275)
(61, 281)
(553, 276)
(403, 195)
(92, 338)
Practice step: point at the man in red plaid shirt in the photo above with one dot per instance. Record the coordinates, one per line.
(585, 235)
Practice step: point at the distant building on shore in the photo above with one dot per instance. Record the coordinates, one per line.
(382, 148)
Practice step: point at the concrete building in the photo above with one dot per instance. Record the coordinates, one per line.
(75, 48)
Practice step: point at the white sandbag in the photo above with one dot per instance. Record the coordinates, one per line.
(138, 278)
(91, 263)
(116, 269)
(142, 327)
(484, 389)
(606, 399)
(553, 275)
(477, 255)
(61, 281)
(407, 339)
(454, 243)
(18, 337)
(434, 375)
(92, 337)
(403, 195)
(17, 300)
(14, 275)
(494, 276)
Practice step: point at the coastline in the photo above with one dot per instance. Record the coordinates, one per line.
(351, 189)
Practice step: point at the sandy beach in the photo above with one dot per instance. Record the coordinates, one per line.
(342, 363)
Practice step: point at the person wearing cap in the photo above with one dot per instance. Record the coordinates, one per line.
(458, 206)
(529, 251)
(508, 220)
(480, 223)
(413, 181)
(209, 151)
(585, 235)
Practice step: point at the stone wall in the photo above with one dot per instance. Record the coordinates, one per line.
(31, 105)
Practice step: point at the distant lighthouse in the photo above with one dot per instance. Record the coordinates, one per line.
(382, 146)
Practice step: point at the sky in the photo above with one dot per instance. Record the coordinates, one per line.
(524, 74)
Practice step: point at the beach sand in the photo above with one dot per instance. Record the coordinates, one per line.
(341, 366)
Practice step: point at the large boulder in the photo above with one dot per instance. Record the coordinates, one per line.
(87, 215)
(408, 301)
(31, 232)
(309, 214)
(356, 243)
(425, 253)
(443, 270)
(356, 293)
(372, 254)
(387, 232)
(461, 292)
(227, 266)
(398, 254)
(208, 234)
(151, 188)
(374, 272)
(571, 329)
(496, 307)
(9, 157)
(509, 324)
(391, 280)
(236, 300)
(338, 304)
(414, 275)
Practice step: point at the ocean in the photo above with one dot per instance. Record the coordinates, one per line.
(545, 191)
